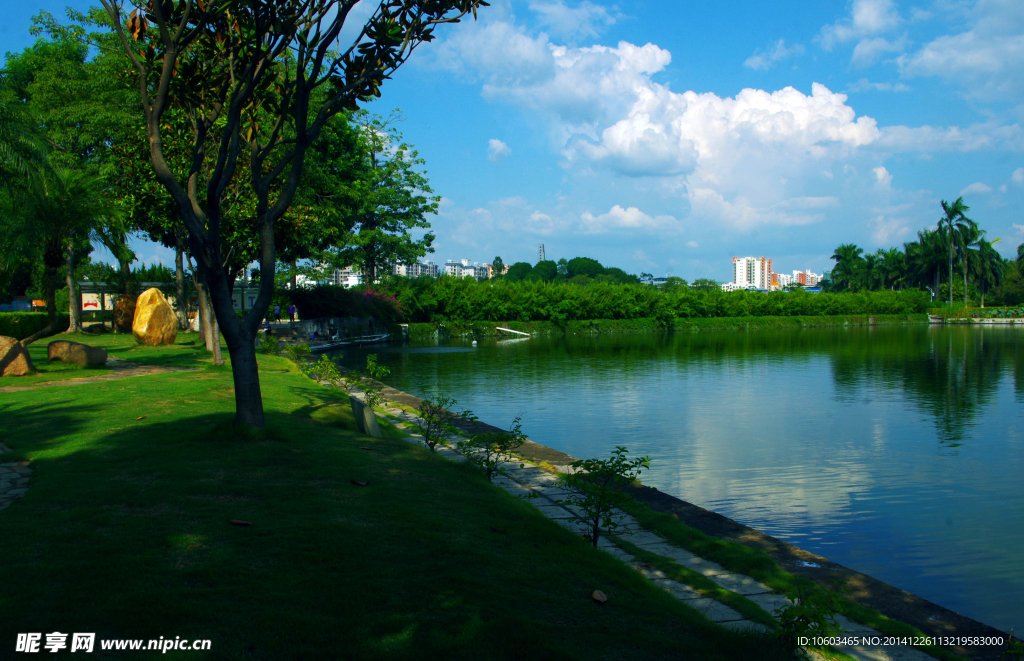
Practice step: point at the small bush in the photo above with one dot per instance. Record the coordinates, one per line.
(489, 450)
(597, 487)
(437, 421)
(813, 614)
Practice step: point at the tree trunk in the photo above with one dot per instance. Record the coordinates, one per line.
(937, 275)
(965, 278)
(369, 271)
(51, 308)
(241, 341)
(951, 268)
(181, 304)
(74, 301)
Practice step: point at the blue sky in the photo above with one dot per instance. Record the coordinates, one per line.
(671, 136)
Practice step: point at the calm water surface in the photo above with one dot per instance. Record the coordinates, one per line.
(897, 451)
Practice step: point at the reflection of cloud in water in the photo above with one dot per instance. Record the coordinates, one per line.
(743, 462)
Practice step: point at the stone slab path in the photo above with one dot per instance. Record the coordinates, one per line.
(542, 490)
(13, 478)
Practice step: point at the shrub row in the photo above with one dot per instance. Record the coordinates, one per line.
(20, 325)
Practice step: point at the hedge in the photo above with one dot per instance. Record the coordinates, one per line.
(20, 325)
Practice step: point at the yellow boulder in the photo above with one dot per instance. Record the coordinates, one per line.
(155, 322)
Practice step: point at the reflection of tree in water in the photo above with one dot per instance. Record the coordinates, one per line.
(950, 373)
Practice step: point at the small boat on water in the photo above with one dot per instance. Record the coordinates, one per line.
(935, 319)
(319, 346)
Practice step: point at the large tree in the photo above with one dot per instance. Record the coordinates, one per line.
(77, 108)
(392, 198)
(259, 80)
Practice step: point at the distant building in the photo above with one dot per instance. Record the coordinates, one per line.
(751, 273)
(417, 269)
(806, 278)
(540, 253)
(349, 276)
(467, 269)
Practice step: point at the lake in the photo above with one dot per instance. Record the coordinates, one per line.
(894, 450)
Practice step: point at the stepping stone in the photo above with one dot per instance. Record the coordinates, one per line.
(556, 512)
(642, 538)
(770, 601)
(682, 556)
(705, 567)
(716, 611)
(650, 573)
(856, 628)
(740, 584)
(746, 625)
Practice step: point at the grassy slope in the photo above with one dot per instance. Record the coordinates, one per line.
(124, 532)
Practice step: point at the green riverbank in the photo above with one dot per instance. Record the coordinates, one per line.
(648, 325)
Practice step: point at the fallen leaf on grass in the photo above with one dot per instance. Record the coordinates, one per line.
(236, 522)
(599, 597)
(358, 483)
(141, 417)
(675, 516)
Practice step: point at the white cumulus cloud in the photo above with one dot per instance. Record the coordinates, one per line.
(987, 59)
(867, 18)
(1018, 176)
(497, 150)
(977, 187)
(778, 52)
(883, 177)
(584, 20)
(626, 219)
(865, 85)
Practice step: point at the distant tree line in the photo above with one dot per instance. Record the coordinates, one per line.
(580, 270)
(427, 299)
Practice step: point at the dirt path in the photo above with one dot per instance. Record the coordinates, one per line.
(120, 369)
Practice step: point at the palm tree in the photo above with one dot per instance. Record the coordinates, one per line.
(848, 265)
(22, 151)
(989, 266)
(52, 214)
(966, 237)
(871, 270)
(894, 261)
(954, 219)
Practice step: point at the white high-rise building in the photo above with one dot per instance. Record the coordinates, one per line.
(540, 253)
(752, 272)
(417, 269)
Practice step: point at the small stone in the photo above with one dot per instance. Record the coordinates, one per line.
(599, 597)
(74, 352)
(14, 358)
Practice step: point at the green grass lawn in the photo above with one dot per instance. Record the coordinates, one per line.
(125, 532)
(187, 351)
